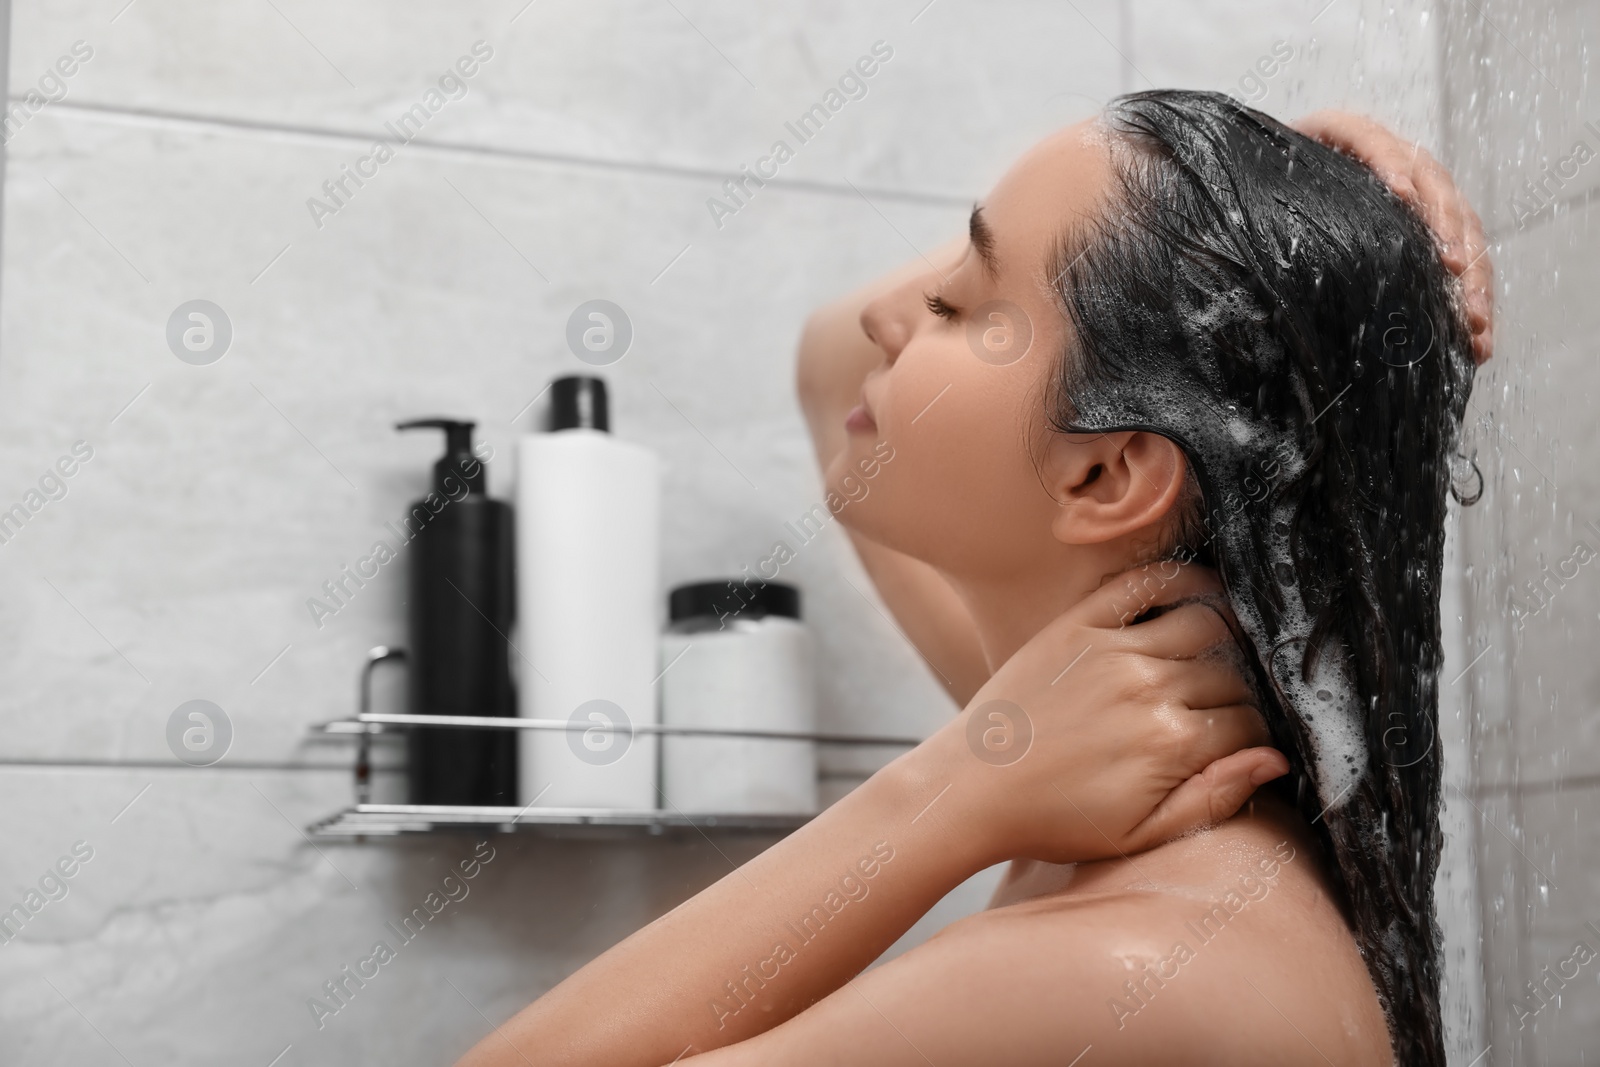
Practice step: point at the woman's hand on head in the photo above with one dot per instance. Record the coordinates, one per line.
(1103, 736)
(1423, 182)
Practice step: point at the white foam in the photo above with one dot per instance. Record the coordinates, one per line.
(1326, 701)
(1335, 724)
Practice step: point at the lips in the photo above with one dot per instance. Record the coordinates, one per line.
(860, 419)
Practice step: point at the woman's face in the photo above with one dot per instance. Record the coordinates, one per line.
(960, 394)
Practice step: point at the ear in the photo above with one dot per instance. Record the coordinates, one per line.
(1114, 484)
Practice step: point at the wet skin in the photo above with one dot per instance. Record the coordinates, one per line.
(1153, 912)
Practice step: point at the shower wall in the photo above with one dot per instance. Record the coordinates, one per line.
(184, 156)
(1523, 134)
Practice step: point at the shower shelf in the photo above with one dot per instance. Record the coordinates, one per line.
(364, 820)
(389, 820)
(371, 723)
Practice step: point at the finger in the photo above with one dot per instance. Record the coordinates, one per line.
(1408, 169)
(1315, 124)
(1125, 597)
(1348, 132)
(1483, 346)
(1480, 313)
(1209, 797)
(1419, 179)
(1397, 164)
(1477, 285)
(1368, 141)
(1462, 248)
(1441, 205)
(1476, 272)
(1190, 738)
(1209, 683)
(1184, 631)
(1178, 742)
(1477, 290)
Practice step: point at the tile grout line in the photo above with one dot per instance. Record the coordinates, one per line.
(931, 198)
(1576, 782)
(173, 765)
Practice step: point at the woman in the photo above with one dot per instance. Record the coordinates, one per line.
(1167, 338)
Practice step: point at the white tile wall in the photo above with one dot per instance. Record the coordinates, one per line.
(407, 302)
(204, 923)
(219, 498)
(624, 82)
(1518, 94)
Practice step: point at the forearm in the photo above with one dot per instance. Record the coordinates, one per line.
(762, 944)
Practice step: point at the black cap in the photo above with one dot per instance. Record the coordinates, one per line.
(733, 596)
(458, 460)
(578, 402)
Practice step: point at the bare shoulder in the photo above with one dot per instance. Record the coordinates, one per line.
(1225, 949)
(1221, 949)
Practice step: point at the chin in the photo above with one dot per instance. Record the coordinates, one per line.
(881, 515)
(855, 482)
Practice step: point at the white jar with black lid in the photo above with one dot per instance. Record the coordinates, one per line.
(736, 656)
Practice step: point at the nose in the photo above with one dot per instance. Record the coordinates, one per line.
(889, 320)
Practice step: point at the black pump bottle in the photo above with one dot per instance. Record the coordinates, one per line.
(460, 613)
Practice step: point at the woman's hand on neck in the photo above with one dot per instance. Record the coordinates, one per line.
(1100, 737)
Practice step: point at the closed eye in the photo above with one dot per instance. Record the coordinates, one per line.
(939, 306)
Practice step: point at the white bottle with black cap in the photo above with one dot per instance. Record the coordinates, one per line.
(736, 657)
(588, 574)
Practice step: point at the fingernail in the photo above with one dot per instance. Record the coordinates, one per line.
(1266, 773)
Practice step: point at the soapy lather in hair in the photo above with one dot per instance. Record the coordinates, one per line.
(1256, 296)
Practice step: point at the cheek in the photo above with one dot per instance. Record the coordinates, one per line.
(961, 481)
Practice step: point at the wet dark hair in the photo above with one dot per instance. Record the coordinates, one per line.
(1272, 307)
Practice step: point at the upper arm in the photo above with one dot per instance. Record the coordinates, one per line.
(1023, 987)
(980, 993)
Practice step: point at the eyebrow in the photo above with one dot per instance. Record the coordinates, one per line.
(983, 242)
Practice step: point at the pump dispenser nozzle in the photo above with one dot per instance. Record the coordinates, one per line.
(457, 459)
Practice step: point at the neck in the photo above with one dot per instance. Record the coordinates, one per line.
(1008, 609)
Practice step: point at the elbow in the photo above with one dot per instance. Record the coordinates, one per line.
(830, 346)
(811, 377)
